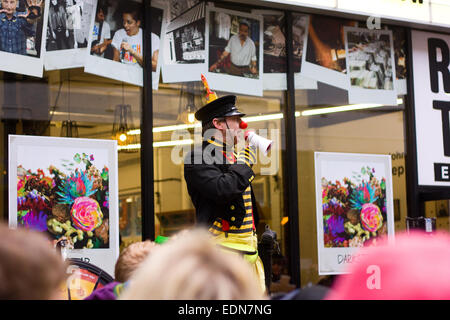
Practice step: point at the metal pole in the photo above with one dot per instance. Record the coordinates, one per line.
(415, 206)
(147, 186)
(290, 166)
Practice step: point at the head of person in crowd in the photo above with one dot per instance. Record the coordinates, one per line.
(192, 267)
(415, 267)
(131, 19)
(30, 268)
(130, 259)
(244, 27)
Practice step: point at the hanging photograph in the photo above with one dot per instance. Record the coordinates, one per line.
(324, 60)
(67, 189)
(235, 51)
(275, 65)
(68, 28)
(185, 42)
(354, 206)
(370, 63)
(115, 48)
(22, 26)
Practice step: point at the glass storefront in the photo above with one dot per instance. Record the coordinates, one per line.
(173, 106)
(71, 103)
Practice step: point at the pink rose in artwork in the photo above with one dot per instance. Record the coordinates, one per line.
(371, 217)
(86, 214)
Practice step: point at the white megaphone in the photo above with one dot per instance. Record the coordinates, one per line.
(259, 142)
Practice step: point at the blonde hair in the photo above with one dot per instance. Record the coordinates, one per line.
(130, 258)
(30, 268)
(192, 267)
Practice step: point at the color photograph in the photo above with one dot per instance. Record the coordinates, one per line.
(324, 59)
(235, 51)
(274, 77)
(115, 48)
(22, 25)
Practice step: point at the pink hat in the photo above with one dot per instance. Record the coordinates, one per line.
(416, 267)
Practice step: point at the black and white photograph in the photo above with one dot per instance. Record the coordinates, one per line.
(274, 77)
(235, 51)
(399, 36)
(324, 59)
(185, 42)
(115, 47)
(371, 69)
(21, 36)
(68, 30)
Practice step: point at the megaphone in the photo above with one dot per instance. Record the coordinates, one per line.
(259, 142)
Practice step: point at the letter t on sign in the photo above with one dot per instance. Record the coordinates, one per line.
(444, 106)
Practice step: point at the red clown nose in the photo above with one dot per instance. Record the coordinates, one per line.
(243, 125)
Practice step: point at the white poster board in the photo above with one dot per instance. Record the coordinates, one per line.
(27, 55)
(67, 187)
(66, 47)
(432, 106)
(354, 206)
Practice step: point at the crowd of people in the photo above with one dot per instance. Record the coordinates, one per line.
(190, 266)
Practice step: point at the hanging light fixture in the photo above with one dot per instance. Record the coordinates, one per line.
(122, 124)
(187, 106)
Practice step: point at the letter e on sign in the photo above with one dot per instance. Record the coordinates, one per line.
(374, 280)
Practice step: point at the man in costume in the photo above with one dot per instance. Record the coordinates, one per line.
(219, 181)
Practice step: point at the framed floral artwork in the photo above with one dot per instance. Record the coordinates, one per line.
(67, 189)
(354, 206)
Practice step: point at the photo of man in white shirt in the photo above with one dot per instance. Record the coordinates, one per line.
(242, 52)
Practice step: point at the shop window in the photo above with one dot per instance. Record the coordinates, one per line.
(328, 120)
(71, 103)
(174, 211)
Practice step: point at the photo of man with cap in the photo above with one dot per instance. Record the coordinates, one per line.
(242, 51)
(219, 181)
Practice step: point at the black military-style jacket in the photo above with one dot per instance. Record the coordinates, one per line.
(216, 184)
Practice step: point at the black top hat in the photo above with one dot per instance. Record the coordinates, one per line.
(221, 107)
